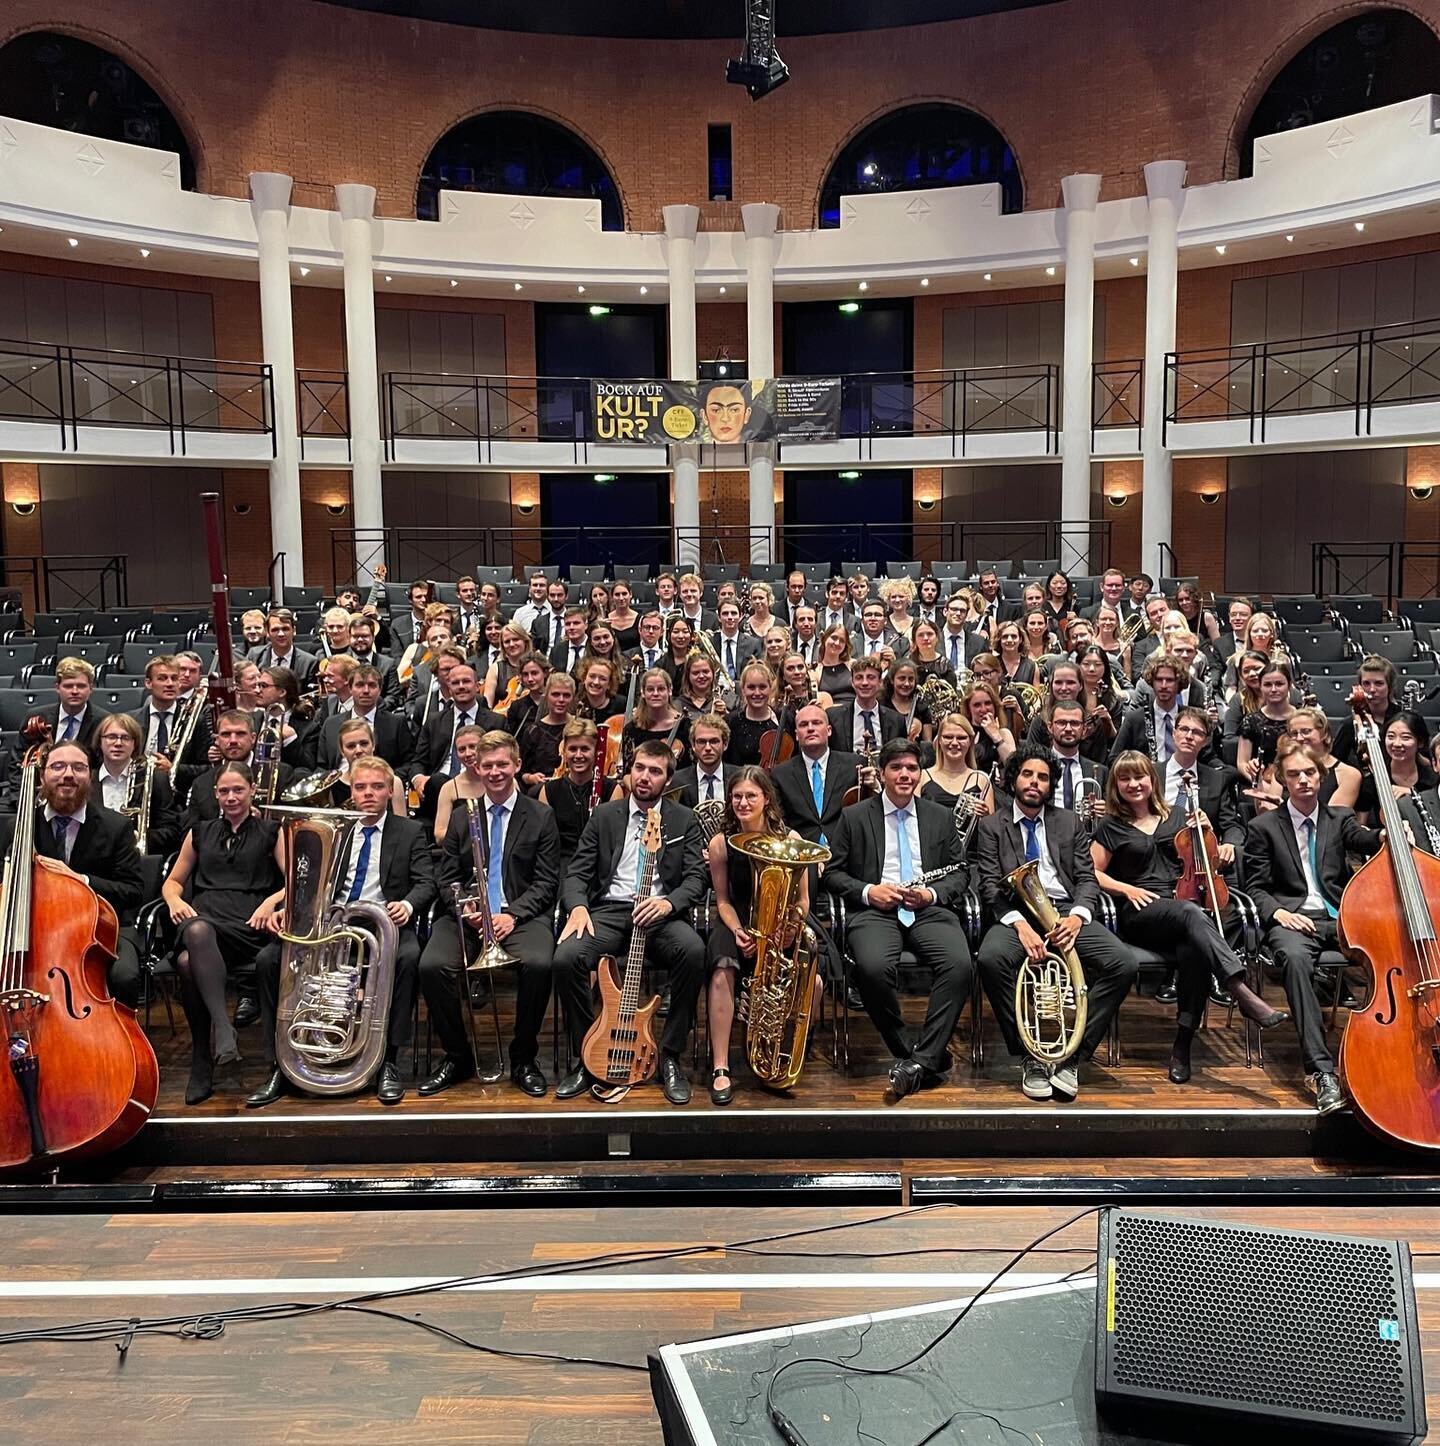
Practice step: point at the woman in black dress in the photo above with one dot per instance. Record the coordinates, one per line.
(1263, 728)
(656, 720)
(679, 639)
(756, 715)
(1136, 862)
(752, 807)
(539, 740)
(569, 795)
(232, 864)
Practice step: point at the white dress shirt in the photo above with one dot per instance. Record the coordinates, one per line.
(627, 873)
(1161, 714)
(77, 822)
(74, 736)
(115, 788)
(370, 890)
(153, 726)
(1314, 899)
(702, 775)
(832, 619)
(1050, 879)
(857, 730)
(890, 872)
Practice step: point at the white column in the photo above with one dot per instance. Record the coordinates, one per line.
(681, 225)
(1080, 193)
(761, 221)
(270, 207)
(357, 209)
(1164, 186)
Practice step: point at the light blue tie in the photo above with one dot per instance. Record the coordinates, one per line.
(497, 857)
(1315, 867)
(362, 864)
(1032, 840)
(907, 869)
(817, 791)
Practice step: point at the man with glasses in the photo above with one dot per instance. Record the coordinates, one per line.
(959, 642)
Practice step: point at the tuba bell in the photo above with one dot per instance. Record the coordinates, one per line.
(782, 991)
(337, 966)
(1050, 994)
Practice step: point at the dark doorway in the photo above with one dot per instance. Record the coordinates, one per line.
(577, 341)
(595, 518)
(840, 517)
(870, 344)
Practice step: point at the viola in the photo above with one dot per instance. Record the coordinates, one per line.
(1200, 880)
(82, 1077)
(1390, 1052)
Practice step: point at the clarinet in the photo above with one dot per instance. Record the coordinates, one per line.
(1432, 830)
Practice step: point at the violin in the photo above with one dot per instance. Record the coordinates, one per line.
(1200, 880)
(82, 1077)
(1390, 1052)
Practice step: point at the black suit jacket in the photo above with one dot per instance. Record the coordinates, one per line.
(1273, 871)
(857, 851)
(1000, 849)
(1219, 800)
(683, 874)
(747, 646)
(842, 726)
(407, 871)
(188, 767)
(389, 679)
(1430, 797)
(90, 725)
(797, 802)
(164, 832)
(103, 850)
(430, 750)
(1134, 732)
(687, 780)
(560, 655)
(302, 664)
(393, 742)
(540, 629)
(530, 869)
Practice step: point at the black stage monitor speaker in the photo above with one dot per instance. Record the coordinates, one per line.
(1203, 1329)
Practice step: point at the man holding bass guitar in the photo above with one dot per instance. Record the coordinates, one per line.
(599, 894)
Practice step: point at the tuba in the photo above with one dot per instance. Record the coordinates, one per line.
(337, 967)
(782, 991)
(1051, 995)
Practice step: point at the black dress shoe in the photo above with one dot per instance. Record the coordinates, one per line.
(247, 1011)
(853, 1001)
(906, 1076)
(1168, 992)
(722, 1091)
(1329, 1096)
(388, 1089)
(529, 1078)
(274, 1088)
(451, 1072)
(673, 1081)
(575, 1083)
(1179, 1070)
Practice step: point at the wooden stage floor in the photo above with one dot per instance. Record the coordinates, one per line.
(349, 1377)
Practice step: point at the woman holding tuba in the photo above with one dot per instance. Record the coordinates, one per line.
(752, 816)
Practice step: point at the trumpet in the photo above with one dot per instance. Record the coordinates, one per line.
(1051, 996)
(493, 954)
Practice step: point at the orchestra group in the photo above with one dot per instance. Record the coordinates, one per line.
(598, 768)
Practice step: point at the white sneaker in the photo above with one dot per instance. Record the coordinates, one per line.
(1035, 1080)
(1065, 1081)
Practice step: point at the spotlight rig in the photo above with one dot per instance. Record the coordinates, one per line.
(760, 70)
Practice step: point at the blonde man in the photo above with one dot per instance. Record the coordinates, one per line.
(75, 718)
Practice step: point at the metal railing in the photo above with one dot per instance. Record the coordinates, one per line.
(483, 409)
(324, 405)
(60, 581)
(1388, 570)
(74, 387)
(1117, 397)
(1352, 371)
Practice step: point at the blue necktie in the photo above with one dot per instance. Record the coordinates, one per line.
(907, 870)
(62, 832)
(817, 791)
(1314, 867)
(497, 857)
(71, 724)
(1032, 840)
(868, 720)
(709, 788)
(362, 864)
(955, 652)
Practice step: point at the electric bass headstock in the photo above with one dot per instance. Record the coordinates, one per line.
(653, 836)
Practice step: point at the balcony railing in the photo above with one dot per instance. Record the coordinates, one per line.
(1117, 397)
(87, 387)
(1353, 372)
(324, 405)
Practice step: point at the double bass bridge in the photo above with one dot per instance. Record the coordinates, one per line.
(13, 1001)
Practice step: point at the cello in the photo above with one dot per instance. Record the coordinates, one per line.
(82, 1077)
(1390, 1052)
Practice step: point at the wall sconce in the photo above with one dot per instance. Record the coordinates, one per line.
(925, 504)
(1118, 499)
(337, 509)
(1420, 494)
(22, 509)
(1209, 498)
(525, 508)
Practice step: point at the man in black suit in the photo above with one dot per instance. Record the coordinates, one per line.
(599, 894)
(235, 743)
(432, 758)
(812, 782)
(1030, 828)
(1111, 594)
(521, 895)
(279, 650)
(959, 642)
(879, 848)
(837, 611)
(1296, 868)
(733, 645)
(391, 731)
(706, 779)
(548, 627)
(75, 718)
(850, 722)
(161, 720)
(566, 654)
(691, 590)
(793, 599)
(991, 607)
(95, 844)
(388, 864)
(1217, 787)
(364, 649)
(1149, 728)
(1066, 728)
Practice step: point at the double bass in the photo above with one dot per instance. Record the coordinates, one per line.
(1390, 1052)
(82, 1077)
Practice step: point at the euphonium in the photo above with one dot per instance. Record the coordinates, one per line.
(337, 967)
(782, 991)
(1050, 994)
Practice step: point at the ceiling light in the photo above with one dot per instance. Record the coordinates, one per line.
(986, 277)
(644, 291)
(1049, 271)
(518, 287)
(722, 291)
(849, 307)
(581, 290)
(453, 282)
(72, 240)
(602, 476)
(304, 271)
(1134, 260)
(1289, 235)
(144, 250)
(1219, 250)
(924, 281)
(864, 286)
(849, 476)
(1359, 225)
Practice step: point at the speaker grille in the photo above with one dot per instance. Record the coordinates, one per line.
(1299, 1322)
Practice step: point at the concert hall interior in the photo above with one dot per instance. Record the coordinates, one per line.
(634, 633)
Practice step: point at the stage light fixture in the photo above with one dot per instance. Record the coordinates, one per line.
(1359, 225)
(22, 509)
(144, 251)
(723, 290)
(304, 271)
(1134, 260)
(644, 291)
(1049, 271)
(849, 476)
(924, 281)
(1118, 499)
(864, 286)
(602, 477)
(72, 240)
(519, 287)
(599, 311)
(453, 282)
(580, 290)
(986, 277)
(849, 307)
(1421, 493)
(389, 279)
(1219, 250)
(1289, 235)
(760, 70)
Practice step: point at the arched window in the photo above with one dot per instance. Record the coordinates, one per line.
(918, 149)
(514, 153)
(61, 81)
(1370, 60)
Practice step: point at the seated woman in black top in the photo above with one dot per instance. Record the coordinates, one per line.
(656, 719)
(752, 807)
(571, 794)
(756, 715)
(539, 738)
(1135, 861)
(233, 864)
(1407, 740)
(679, 639)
